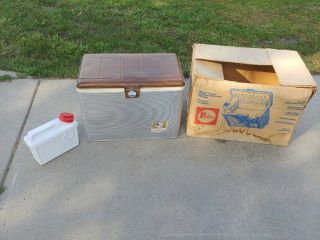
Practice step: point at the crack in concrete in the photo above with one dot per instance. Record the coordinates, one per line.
(16, 144)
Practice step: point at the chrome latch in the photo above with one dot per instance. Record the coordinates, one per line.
(132, 92)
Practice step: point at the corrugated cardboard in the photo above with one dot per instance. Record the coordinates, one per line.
(247, 94)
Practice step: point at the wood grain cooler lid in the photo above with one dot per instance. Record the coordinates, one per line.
(130, 70)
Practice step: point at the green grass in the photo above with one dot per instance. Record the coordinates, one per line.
(47, 38)
(6, 78)
(2, 189)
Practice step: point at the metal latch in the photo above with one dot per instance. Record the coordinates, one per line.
(132, 92)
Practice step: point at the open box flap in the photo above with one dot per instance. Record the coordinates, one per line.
(252, 56)
(289, 67)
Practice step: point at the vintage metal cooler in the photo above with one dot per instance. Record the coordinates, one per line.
(130, 96)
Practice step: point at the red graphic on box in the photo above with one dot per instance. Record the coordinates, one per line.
(206, 116)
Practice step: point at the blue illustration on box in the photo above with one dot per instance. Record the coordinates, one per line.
(248, 108)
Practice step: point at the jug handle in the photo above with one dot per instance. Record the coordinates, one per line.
(33, 133)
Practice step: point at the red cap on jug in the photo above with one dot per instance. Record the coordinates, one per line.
(66, 117)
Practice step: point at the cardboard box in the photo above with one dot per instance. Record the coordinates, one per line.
(247, 94)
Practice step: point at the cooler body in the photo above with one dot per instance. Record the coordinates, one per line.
(130, 96)
(108, 115)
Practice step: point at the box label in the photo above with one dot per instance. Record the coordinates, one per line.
(255, 113)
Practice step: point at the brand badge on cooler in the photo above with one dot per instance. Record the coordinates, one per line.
(206, 116)
(159, 126)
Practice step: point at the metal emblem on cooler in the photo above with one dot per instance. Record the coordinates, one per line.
(159, 126)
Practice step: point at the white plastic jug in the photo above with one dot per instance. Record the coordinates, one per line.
(53, 138)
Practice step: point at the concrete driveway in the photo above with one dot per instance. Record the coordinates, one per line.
(186, 188)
